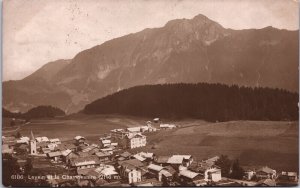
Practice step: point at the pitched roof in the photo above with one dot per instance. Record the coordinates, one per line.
(201, 166)
(135, 136)
(54, 154)
(188, 174)
(65, 146)
(54, 140)
(138, 157)
(125, 154)
(187, 157)
(42, 139)
(131, 164)
(155, 167)
(134, 129)
(78, 137)
(146, 154)
(175, 159)
(106, 170)
(162, 159)
(85, 161)
(266, 170)
(170, 169)
(166, 173)
(103, 154)
(66, 152)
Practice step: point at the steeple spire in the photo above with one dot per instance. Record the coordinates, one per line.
(32, 136)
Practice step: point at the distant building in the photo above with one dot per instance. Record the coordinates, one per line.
(136, 141)
(85, 162)
(118, 133)
(131, 170)
(209, 171)
(249, 174)
(55, 141)
(167, 126)
(105, 143)
(55, 155)
(189, 178)
(23, 140)
(290, 176)
(42, 139)
(7, 149)
(266, 173)
(79, 140)
(156, 120)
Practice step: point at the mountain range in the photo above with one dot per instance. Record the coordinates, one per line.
(183, 51)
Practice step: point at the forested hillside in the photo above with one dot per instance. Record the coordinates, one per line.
(212, 102)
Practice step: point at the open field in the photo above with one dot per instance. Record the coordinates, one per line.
(255, 143)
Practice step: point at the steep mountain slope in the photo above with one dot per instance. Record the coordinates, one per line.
(184, 50)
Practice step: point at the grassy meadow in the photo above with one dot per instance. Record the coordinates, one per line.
(255, 143)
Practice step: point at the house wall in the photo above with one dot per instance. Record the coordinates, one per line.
(137, 142)
(134, 176)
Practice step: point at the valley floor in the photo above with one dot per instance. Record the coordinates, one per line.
(255, 143)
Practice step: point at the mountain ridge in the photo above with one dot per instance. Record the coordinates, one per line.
(182, 51)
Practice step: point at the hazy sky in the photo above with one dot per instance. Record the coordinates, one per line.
(39, 31)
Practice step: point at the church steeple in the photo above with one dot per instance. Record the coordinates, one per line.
(32, 136)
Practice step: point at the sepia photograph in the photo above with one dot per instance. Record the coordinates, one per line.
(164, 93)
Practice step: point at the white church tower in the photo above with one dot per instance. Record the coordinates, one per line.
(32, 145)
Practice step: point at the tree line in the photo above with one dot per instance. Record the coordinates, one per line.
(36, 112)
(211, 102)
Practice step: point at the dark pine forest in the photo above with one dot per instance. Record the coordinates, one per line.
(211, 102)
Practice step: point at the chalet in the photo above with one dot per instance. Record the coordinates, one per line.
(190, 178)
(124, 156)
(136, 141)
(118, 133)
(156, 120)
(105, 143)
(65, 146)
(68, 154)
(9, 140)
(249, 174)
(104, 156)
(290, 176)
(46, 150)
(266, 183)
(161, 173)
(167, 126)
(266, 173)
(55, 155)
(55, 141)
(134, 129)
(42, 139)
(186, 159)
(52, 146)
(85, 162)
(79, 140)
(7, 149)
(89, 148)
(139, 157)
(108, 171)
(209, 171)
(132, 170)
(161, 160)
(23, 140)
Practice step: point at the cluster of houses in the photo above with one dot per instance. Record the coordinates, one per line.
(111, 161)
